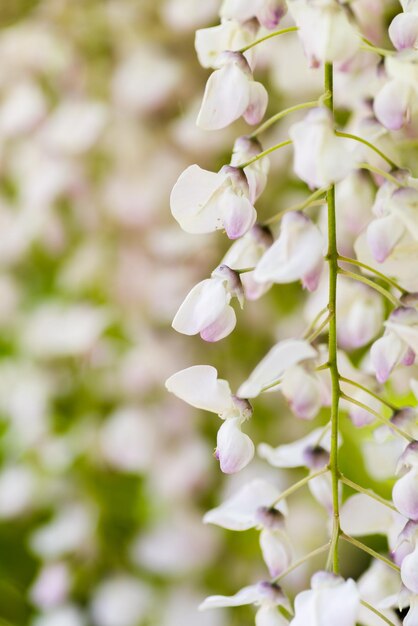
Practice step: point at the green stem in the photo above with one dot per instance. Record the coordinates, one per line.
(369, 47)
(314, 322)
(390, 281)
(373, 553)
(367, 492)
(310, 201)
(304, 481)
(275, 33)
(369, 145)
(305, 558)
(319, 330)
(278, 116)
(259, 156)
(362, 279)
(380, 172)
(332, 258)
(371, 393)
(382, 419)
(376, 612)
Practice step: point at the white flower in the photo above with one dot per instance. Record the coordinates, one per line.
(120, 601)
(326, 33)
(245, 253)
(65, 615)
(405, 491)
(296, 255)
(203, 201)
(199, 386)
(330, 601)
(320, 157)
(268, 12)
(244, 149)
(206, 309)
(51, 585)
(397, 101)
(211, 42)
(231, 92)
(265, 595)
(376, 584)
(254, 507)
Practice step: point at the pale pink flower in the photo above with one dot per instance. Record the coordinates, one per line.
(405, 491)
(397, 101)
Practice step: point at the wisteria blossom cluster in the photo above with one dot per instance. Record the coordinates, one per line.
(351, 241)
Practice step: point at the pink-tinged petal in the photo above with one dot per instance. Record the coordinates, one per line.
(382, 236)
(226, 98)
(296, 255)
(271, 369)
(270, 12)
(203, 306)
(310, 280)
(293, 454)
(199, 386)
(276, 551)
(268, 615)
(189, 199)
(234, 448)
(361, 515)
(408, 334)
(247, 595)
(258, 101)
(238, 214)
(405, 495)
(321, 489)
(252, 289)
(239, 512)
(403, 31)
(221, 327)
(303, 392)
(392, 104)
(409, 571)
(385, 354)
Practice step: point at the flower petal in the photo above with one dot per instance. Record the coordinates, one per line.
(238, 214)
(247, 595)
(293, 454)
(385, 354)
(405, 495)
(276, 550)
(257, 104)
(234, 448)
(392, 105)
(361, 515)
(203, 305)
(221, 327)
(383, 234)
(199, 386)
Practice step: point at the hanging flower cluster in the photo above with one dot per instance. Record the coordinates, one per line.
(360, 269)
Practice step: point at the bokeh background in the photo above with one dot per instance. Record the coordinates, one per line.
(104, 478)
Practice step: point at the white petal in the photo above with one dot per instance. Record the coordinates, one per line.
(238, 513)
(234, 448)
(409, 571)
(385, 354)
(221, 327)
(199, 386)
(257, 103)
(303, 392)
(268, 615)
(405, 495)
(226, 98)
(392, 105)
(403, 31)
(189, 198)
(383, 234)
(247, 595)
(321, 489)
(328, 606)
(238, 214)
(271, 369)
(292, 454)
(296, 253)
(407, 333)
(276, 550)
(202, 307)
(361, 515)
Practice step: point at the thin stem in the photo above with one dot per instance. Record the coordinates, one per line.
(370, 392)
(275, 33)
(304, 481)
(373, 553)
(376, 612)
(278, 116)
(390, 281)
(319, 330)
(369, 145)
(315, 322)
(302, 560)
(368, 46)
(385, 420)
(380, 172)
(259, 156)
(309, 201)
(332, 258)
(367, 492)
(362, 279)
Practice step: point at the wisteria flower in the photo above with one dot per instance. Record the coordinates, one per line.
(244, 149)
(397, 101)
(203, 201)
(267, 12)
(206, 309)
(199, 386)
(298, 254)
(265, 595)
(405, 491)
(254, 506)
(320, 157)
(325, 31)
(330, 601)
(230, 35)
(231, 92)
